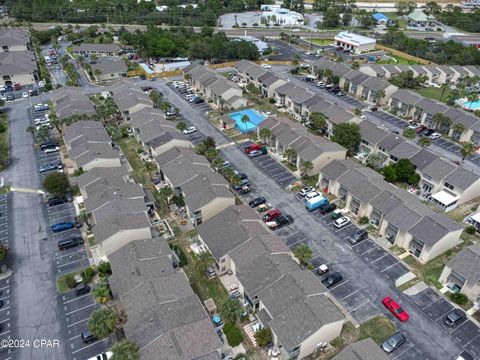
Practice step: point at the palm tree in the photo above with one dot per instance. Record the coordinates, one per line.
(83, 216)
(472, 97)
(150, 167)
(211, 154)
(305, 167)
(457, 128)
(379, 96)
(318, 120)
(181, 126)
(102, 322)
(31, 130)
(205, 259)
(303, 253)
(187, 77)
(468, 148)
(230, 309)
(218, 162)
(424, 141)
(245, 119)
(264, 134)
(296, 61)
(125, 350)
(55, 121)
(166, 192)
(441, 121)
(43, 132)
(235, 179)
(289, 153)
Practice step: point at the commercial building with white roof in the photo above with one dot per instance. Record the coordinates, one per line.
(354, 42)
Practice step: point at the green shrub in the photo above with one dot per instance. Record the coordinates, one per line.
(459, 298)
(87, 275)
(70, 280)
(233, 334)
(363, 220)
(471, 229)
(3, 126)
(181, 256)
(264, 337)
(104, 269)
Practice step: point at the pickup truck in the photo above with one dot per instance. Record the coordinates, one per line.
(249, 148)
(280, 222)
(315, 202)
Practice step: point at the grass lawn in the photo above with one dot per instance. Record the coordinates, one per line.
(130, 148)
(4, 147)
(378, 328)
(435, 93)
(62, 286)
(399, 61)
(322, 41)
(203, 287)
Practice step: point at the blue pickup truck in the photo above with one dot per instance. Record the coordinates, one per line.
(315, 203)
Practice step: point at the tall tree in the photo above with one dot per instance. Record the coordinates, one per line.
(468, 148)
(245, 119)
(290, 154)
(264, 134)
(347, 135)
(125, 350)
(318, 120)
(303, 253)
(424, 141)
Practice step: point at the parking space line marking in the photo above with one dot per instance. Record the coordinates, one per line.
(343, 283)
(296, 232)
(379, 258)
(440, 298)
(85, 347)
(71, 262)
(471, 340)
(7, 319)
(75, 252)
(54, 221)
(82, 308)
(359, 306)
(74, 337)
(77, 298)
(6, 332)
(349, 295)
(296, 242)
(389, 267)
(369, 250)
(403, 352)
(8, 307)
(78, 322)
(343, 228)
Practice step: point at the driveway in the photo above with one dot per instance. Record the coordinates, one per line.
(426, 336)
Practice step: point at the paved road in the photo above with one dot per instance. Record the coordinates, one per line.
(35, 307)
(427, 339)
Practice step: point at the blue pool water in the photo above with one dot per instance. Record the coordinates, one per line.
(255, 119)
(472, 105)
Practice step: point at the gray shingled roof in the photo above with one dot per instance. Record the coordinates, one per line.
(431, 107)
(402, 218)
(405, 150)
(14, 36)
(462, 178)
(423, 158)
(110, 67)
(433, 228)
(390, 142)
(365, 349)
(371, 133)
(438, 169)
(376, 84)
(220, 243)
(467, 264)
(336, 168)
(386, 201)
(201, 191)
(116, 223)
(406, 97)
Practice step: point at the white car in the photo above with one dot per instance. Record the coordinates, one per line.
(363, 117)
(189, 130)
(103, 356)
(47, 125)
(341, 222)
(41, 121)
(24, 94)
(435, 136)
(266, 66)
(306, 190)
(311, 195)
(414, 126)
(52, 150)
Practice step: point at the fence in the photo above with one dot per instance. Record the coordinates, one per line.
(404, 55)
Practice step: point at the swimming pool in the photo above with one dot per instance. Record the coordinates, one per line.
(254, 119)
(471, 105)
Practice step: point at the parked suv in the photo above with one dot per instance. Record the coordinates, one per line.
(454, 318)
(357, 236)
(82, 289)
(54, 201)
(88, 337)
(327, 208)
(70, 242)
(332, 279)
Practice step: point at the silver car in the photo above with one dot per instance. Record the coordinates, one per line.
(394, 342)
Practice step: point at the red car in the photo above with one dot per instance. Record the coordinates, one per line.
(249, 148)
(396, 309)
(271, 215)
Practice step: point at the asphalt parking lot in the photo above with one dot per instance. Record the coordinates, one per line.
(467, 334)
(4, 219)
(448, 145)
(402, 124)
(277, 171)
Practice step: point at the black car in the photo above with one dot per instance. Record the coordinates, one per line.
(464, 356)
(82, 289)
(374, 109)
(48, 145)
(88, 337)
(48, 167)
(332, 279)
(55, 201)
(70, 242)
(10, 97)
(258, 201)
(283, 220)
(198, 100)
(357, 236)
(429, 132)
(454, 318)
(327, 208)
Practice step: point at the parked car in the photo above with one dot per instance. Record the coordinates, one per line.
(51, 150)
(306, 190)
(88, 337)
(40, 107)
(48, 145)
(327, 208)
(280, 222)
(24, 94)
(395, 309)
(394, 342)
(429, 132)
(341, 222)
(435, 136)
(266, 66)
(82, 289)
(414, 126)
(322, 269)
(10, 97)
(171, 112)
(198, 100)
(103, 356)
(454, 318)
(64, 226)
(358, 236)
(311, 195)
(271, 215)
(51, 167)
(252, 147)
(332, 279)
(255, 153)
(70, 242)
(55, 201)
(189, 130)
(257, 201)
